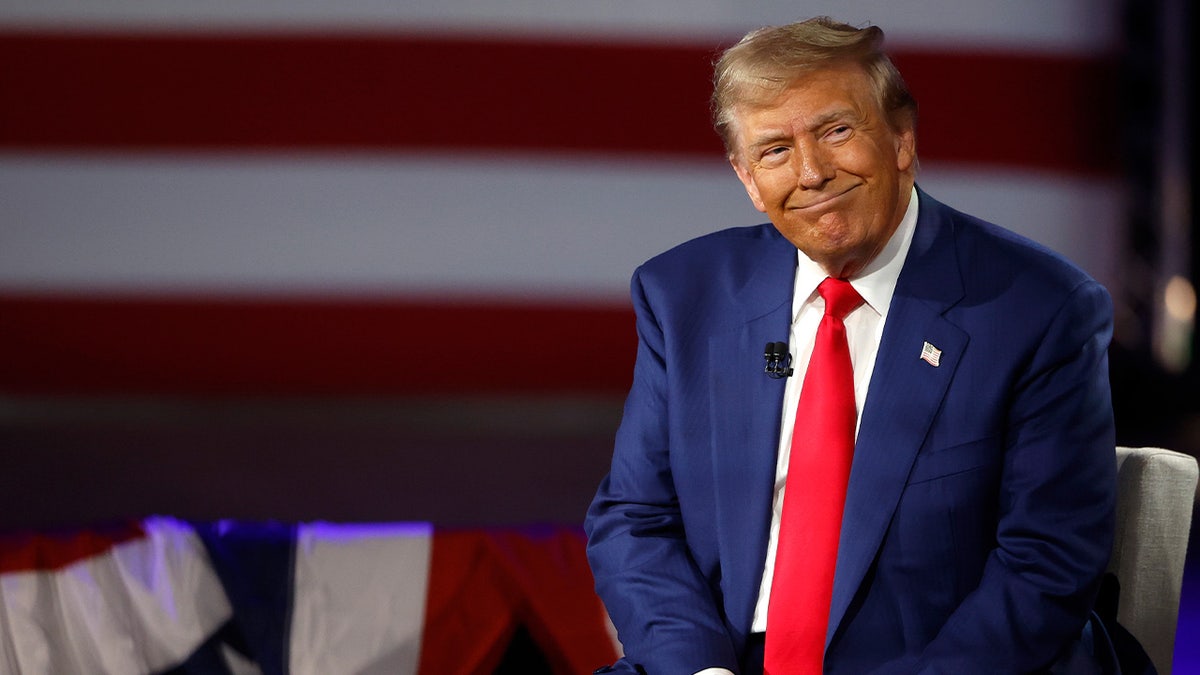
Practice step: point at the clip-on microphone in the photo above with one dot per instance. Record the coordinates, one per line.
(779, 361)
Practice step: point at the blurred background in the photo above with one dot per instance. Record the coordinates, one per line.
(368, 260)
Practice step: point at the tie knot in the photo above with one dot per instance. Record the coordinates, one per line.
(840, 297)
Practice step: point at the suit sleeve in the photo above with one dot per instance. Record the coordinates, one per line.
(1057, 498)
(664, 609)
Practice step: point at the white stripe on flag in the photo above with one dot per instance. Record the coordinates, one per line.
(1082, 217)
(1061, 25)
(412, 224)
(359, 598)
(141, 607)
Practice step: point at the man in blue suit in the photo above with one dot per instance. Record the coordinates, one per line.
(978, 512)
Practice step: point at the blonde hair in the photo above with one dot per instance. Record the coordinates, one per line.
(769, 60)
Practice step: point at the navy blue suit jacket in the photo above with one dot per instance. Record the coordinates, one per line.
(979, 515)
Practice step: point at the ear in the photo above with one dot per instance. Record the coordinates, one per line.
(747, 178)
(906, 148)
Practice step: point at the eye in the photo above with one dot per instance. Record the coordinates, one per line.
(839, 131)
(774, 154)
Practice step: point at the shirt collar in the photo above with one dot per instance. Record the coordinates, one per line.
(876, 282)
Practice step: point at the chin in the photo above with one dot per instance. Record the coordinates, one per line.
(831, 238)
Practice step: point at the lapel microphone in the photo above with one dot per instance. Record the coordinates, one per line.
(779, 361)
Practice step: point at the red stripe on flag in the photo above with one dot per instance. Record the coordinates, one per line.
(484, 584)
(1035, 111)
(277, 92)
(351, 92)
(24, 552)
(67, 345)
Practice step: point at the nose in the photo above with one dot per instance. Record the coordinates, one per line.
(812, 166)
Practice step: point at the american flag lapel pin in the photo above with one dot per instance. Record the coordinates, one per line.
(931, 355)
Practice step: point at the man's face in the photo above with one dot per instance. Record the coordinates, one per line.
(823, 163)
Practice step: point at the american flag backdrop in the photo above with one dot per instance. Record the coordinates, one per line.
(358, 197)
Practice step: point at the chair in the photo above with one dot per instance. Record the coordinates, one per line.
(1155, 492)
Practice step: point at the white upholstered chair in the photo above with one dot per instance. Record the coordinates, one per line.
(1155, 492)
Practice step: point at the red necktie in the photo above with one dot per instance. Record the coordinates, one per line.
(815, 493)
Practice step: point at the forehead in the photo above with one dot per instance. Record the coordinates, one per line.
(808, 99)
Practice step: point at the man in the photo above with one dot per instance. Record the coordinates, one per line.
(972, 511)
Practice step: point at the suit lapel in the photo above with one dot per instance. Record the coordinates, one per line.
(744, 414)
(904, 396)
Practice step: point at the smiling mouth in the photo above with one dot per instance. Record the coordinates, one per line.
(824, 200)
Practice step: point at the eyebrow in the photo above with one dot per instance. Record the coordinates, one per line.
(770, 138)
(831, 116)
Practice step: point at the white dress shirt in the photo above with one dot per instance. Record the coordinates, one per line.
(864, 328)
